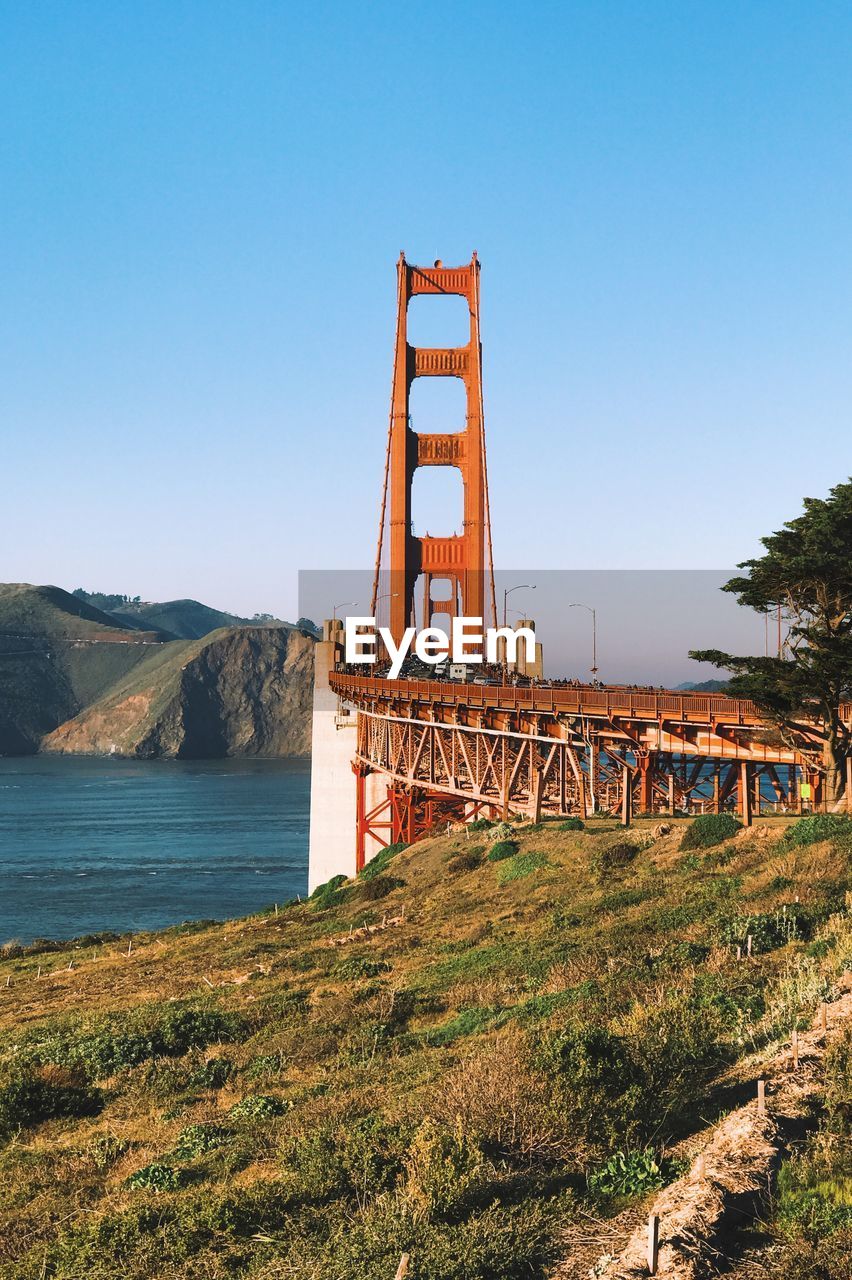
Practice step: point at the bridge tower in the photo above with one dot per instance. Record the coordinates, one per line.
(462, 559)
(348, 797)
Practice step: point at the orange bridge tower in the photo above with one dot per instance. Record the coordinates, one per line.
(462, 560)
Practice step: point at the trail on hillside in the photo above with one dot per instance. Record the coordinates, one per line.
(701, 1212)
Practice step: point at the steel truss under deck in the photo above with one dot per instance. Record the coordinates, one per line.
(445, 760)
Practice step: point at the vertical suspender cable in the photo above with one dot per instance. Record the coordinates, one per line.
(484, 458)
(375, 593)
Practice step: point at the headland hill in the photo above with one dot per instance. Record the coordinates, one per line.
(88, 673)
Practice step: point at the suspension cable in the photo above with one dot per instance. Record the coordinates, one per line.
(375, 593)
(484, 456)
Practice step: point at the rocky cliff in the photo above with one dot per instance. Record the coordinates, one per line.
(57, 655)
(237, 691)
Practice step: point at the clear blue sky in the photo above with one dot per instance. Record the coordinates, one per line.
(202, 204)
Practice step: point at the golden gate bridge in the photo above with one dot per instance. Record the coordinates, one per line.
(393, 759)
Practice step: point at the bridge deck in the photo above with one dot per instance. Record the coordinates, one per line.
(605, 702)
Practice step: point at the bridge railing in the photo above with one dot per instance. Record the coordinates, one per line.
(577, 699)
(611, 700)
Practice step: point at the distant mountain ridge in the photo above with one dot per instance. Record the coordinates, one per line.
(175, 619)
(74, 677)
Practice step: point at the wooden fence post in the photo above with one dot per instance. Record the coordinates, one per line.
(402, 1269)
(653, 1244)
(761, 1097)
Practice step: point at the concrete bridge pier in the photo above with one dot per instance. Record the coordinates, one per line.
(335, 794)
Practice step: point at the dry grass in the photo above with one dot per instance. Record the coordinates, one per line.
(443, 1016)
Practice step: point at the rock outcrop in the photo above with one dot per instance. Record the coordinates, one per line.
(238, 691)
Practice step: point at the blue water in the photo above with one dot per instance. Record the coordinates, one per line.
(88, 845)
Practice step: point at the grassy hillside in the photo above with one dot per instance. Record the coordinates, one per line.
(480, 1040)
(57, 654)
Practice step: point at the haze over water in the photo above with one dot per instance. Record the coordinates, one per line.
(91, 844)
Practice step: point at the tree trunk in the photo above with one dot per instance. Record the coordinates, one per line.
(834, 768)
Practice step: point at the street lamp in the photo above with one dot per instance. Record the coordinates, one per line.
(530, 586)
(578, 605)
(343, 604)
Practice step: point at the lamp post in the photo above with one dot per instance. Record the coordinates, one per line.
(343, 604)
(588, 607)
(529, 586)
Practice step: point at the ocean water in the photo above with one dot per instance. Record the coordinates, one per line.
(89, 845)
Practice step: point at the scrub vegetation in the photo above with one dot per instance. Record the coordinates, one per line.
(453, 1055)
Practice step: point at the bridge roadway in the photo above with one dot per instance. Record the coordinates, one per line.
(597, 701)
(567, 748)
(732, 727)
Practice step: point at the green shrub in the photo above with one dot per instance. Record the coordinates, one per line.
(445, 1172)
(678, 955)
(838, 1086)
(480, 824)
(767, 930)
(356, 1161)
(117, 1041)
(265, 1066)
(523, 864)
(501, 1242)
(212, 1074)
(502, 849)
(813, 1197)
(815, 1185)
(709, 829)
(378, 864)
(571, 824)
(360, 967)
(30, 1096)
(259, 1106)
(819, 826)
(618, 1087)
(629, 1173)
(378, 886)
(156, 1177)
(198, 1139)
(597, 1080)
(330, 894)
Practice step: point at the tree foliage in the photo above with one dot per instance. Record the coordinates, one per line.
(806, 573)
